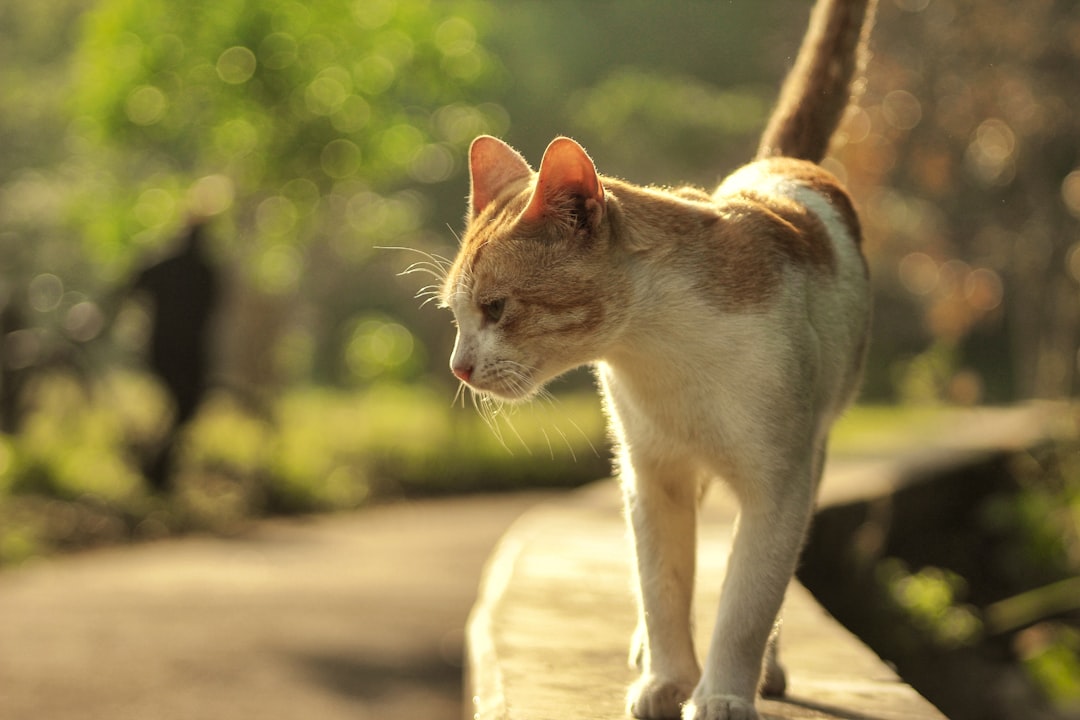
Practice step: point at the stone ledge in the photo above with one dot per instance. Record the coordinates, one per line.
(548, 637)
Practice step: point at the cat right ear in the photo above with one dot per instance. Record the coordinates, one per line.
(493, 166)
(567, 172)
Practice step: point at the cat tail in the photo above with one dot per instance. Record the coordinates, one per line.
(819, 85)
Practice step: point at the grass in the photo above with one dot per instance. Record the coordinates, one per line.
(71, 477)
(881, 429)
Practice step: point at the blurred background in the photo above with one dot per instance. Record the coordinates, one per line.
(208, 212)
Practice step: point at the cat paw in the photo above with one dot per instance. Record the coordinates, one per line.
(719, 707)
(656, 698)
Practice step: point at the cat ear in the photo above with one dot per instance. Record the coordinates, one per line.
(567, 173)
(493, 166)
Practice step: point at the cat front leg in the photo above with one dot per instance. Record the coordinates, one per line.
(661, 506)
(768, 538)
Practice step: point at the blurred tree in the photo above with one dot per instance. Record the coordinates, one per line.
(965, 158)
(318, 131)
(299, 123)
(43, 318)
(679, 103)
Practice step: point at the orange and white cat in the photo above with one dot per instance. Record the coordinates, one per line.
(728, 331)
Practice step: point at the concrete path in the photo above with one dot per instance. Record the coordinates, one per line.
(354, 616)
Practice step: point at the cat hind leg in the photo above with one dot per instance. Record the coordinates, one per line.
(742, 653)
(774, 677)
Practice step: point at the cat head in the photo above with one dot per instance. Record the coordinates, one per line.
(535, 288)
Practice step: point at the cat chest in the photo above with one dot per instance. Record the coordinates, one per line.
(687, 413)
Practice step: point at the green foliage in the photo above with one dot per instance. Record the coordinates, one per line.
(932, 599)
(1043, 518)
(1052, 657)
(71, 478)
(331, 449)
(73, 446)
(924, 379)
(1044, 524)
(284, 113)
(690, 119)
(880, 429)
(377, 347)
(68, 479)
(310, 133)
(1035, 532)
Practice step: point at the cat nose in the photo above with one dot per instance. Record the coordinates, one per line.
(462, 372)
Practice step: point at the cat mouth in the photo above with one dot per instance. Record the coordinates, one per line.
(512, 392)
(505, 382)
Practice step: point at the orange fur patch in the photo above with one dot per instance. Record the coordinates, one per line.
(823, 182)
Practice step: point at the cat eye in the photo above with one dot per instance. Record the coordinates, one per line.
(493, 309)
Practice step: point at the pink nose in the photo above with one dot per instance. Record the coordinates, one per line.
(462, 373)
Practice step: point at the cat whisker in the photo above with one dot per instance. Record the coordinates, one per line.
(494, 412)
(435, 266)
(459, 292)
(518, 383)
(584, 436)
(547, 439)
(510, 424)
(554, 400)
(435, 260)
(428, 267)
(521, 382)
(517, 379)
(545, 395)
(567, 442)
(491, 411)
(430, 293)
(459, 395)
(454, 233)
(483, 404)
(481, 410)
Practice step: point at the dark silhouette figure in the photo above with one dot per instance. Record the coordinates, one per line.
(184, 290)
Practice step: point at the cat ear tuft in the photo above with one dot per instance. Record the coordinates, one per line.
(567, 173)
(493, 166)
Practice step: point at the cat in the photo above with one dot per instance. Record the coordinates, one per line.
(728, 331)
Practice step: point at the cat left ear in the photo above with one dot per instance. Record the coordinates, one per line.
(567, 178)
(493, 167)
